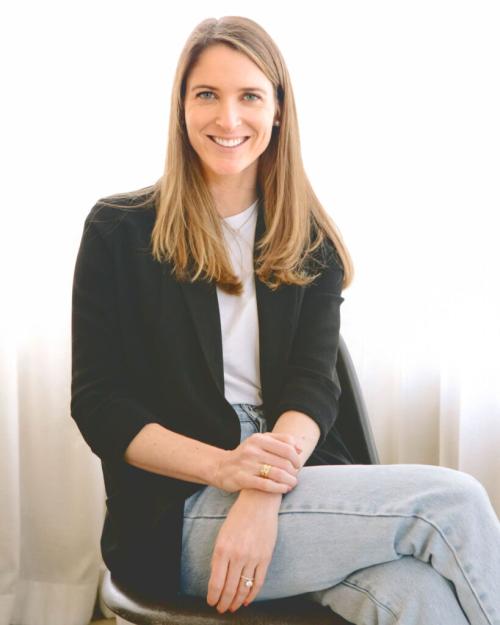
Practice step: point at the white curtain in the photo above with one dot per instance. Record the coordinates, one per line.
(398, 108)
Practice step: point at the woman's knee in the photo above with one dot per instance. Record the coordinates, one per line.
(457, 487)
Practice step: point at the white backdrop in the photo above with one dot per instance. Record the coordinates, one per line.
(398, 107)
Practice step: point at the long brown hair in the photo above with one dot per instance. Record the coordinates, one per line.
(187, 230)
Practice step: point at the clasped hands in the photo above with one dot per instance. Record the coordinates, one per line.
(246, 540)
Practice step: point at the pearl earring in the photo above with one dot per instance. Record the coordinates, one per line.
(276, 123)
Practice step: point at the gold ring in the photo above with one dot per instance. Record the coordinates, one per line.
(264, 470)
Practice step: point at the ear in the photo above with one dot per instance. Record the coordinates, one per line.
(277, 112)
(277, 117)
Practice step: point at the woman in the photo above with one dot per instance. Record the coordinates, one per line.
(206, 315)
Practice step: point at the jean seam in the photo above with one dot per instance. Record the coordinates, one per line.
(406, 516)
(370, 594)
(252, 415)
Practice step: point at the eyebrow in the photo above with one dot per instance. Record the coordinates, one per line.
(215, 88)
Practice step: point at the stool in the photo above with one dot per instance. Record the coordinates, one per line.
(133, 609)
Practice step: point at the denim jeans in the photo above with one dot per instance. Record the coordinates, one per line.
(382, 544)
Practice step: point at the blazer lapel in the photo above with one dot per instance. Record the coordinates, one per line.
(201, 298)
(276, 314)
(275, 311)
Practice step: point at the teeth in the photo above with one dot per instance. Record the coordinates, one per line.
(228, 143)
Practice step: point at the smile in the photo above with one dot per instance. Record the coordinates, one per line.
(229, 143)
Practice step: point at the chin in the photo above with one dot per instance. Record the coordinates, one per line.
(226, 171)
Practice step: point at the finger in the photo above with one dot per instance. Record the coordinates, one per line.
(286, 438)
(259, 578)
(231, 586)
(275, 474)
(243, 591)
(278, 463)
(256, 455)
(280, 448)
(217, 579)
(265, 442)
(266, 485)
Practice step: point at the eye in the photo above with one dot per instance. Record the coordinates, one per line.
(203, 93)
(254, 95)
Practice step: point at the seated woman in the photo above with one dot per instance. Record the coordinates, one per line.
(206, 317)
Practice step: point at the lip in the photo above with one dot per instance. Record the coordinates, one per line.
(229, 138)
(225, 148)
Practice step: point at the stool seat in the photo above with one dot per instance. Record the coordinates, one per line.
(195, 611)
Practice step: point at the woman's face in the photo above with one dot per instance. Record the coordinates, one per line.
(228, 97)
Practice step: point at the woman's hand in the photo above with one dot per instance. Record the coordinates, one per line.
(239, 468)
(244, 546)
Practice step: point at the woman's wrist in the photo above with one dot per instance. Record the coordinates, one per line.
(260, 497)
(213, 476)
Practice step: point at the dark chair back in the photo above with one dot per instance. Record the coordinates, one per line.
(353, 423)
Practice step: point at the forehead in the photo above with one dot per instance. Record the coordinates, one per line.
(224, 68)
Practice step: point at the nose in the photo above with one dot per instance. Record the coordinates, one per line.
(228, 116)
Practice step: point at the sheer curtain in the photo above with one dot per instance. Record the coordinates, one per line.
(400, 134)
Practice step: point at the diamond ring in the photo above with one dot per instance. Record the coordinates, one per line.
(248, 581)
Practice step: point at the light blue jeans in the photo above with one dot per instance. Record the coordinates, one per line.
(382, 544)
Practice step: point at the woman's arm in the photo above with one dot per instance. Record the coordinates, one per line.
(311, 385)
(304, 429)
(105, 411)
(114, 423)
(160, 450)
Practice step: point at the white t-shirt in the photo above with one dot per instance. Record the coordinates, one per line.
(238, 314)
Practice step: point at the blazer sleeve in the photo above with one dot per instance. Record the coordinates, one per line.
(311, 383)
(105, 413)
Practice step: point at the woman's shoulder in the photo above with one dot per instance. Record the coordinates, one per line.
(136, 209)
(324, 254)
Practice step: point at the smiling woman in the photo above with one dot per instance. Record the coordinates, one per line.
(233, 138)
(231, 127)
(206, 325)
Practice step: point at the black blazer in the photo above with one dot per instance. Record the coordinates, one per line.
(146, 348)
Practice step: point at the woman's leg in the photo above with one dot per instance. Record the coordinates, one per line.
(340, 519)
(403, 592)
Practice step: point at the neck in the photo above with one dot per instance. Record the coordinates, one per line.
(229, 205)
(232, 194)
